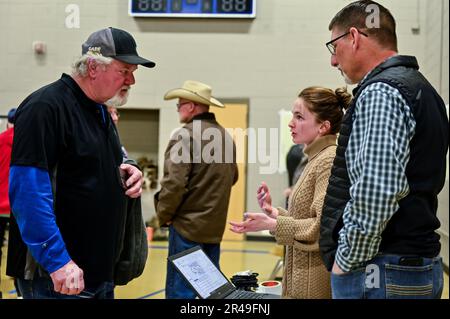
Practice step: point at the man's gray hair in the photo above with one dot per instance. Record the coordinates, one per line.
(80, 66)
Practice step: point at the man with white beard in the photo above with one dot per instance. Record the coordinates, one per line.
(69, 185)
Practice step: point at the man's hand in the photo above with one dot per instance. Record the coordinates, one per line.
(336, 270)
(133, 184)
(68, 280)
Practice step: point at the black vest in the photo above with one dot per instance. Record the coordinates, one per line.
(411, 230)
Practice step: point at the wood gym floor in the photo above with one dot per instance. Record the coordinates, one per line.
(236, 256)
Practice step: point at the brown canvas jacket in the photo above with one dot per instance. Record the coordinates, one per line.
(194, 196)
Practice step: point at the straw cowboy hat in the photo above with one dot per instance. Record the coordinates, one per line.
(194, 91)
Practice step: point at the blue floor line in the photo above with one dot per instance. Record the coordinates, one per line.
(152, 294)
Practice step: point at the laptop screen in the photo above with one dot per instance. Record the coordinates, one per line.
(199, 270)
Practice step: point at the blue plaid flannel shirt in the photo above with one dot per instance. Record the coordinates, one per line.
(377, 155)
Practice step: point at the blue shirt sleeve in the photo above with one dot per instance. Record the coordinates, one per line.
(31, 198)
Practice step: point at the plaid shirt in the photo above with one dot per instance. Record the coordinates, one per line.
(377, 155)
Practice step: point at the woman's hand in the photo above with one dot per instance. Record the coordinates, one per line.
(253, 222)
(265, 201)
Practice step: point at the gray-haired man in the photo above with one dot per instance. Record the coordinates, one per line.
(66, 189)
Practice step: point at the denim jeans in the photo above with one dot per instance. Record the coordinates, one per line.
(389, 277)
(42, 288)
(176, 285)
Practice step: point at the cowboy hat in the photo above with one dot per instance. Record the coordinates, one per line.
(194, 91)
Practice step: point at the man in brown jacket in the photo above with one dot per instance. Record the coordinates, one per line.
(199, 171)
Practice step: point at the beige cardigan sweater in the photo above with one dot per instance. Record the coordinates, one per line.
(304, 275)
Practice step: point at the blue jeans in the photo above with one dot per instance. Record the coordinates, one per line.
(176, 285)
(387, 277)
(42, 288)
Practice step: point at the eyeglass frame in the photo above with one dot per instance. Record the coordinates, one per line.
(179, 105)
(332, 48)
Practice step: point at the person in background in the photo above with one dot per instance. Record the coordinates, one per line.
(195, 191)
(316, 118)
(68, 184)
(295, 163)
(378, 232)
(6, 140)
(115, 115)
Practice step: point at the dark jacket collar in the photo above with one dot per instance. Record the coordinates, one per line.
(204, 116)
(394, 61)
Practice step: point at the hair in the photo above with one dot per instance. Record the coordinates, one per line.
(80, 66)
(12, 116)
(327, 105)
(356, 14)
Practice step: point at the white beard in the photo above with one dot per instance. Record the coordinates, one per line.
(347, 79)
(118, 100)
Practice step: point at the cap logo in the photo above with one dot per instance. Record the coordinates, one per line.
(95, 50)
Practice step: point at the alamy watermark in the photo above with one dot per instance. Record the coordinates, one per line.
(373, 19)
(73, 276)
(372, 276)
(72, 20)
(212, 145)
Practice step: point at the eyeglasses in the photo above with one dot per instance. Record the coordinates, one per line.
(179, 105)
(331, 46)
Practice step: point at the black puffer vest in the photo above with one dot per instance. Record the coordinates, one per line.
(411, 231)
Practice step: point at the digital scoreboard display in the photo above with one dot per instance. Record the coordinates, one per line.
(193, 8)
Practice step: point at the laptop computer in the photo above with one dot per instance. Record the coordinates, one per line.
(207, 280)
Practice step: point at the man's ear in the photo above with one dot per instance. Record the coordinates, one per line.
(356, 38)
(92, 67)
(191, 107)
(324, 128)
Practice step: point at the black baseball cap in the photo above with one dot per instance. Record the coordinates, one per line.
(115, 43)
(12, 115)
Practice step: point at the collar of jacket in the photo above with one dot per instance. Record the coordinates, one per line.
(394, 61)
(204, 116)
(79, 94)
(313, 149)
